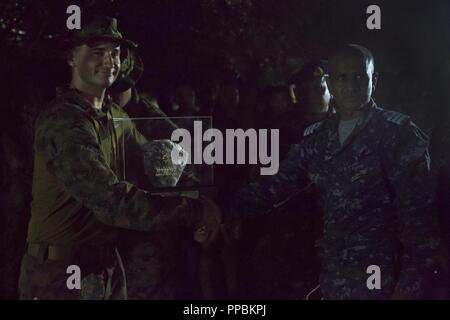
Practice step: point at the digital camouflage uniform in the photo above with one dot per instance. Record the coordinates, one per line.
(377, 194)
(80, 201)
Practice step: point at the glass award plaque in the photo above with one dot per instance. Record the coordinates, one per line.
(158, 154)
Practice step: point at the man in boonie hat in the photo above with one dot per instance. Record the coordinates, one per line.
(311, 90)
(81, 203)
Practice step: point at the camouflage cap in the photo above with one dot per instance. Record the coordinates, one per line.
(100, 28)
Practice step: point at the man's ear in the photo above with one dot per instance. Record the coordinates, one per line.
(70, 57)
(374, 80)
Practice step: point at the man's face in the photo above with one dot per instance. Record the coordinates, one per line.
(315, 94)
(97, 65)
(351, 81)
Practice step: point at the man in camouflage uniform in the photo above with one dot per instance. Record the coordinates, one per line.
(312, 103)
(311, 93)
(80, 202)
(372, 170)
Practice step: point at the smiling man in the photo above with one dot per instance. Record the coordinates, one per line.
(372, 171)
(80, 200)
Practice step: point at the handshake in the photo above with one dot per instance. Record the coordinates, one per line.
(164, 163)
(210, 227)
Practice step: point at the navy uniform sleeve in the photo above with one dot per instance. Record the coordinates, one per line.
(408, 169)
(260, 196)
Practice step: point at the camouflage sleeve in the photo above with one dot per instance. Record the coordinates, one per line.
(260, 196)
(69, 145)
(408, 167)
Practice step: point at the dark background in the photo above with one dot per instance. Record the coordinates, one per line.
(265, 40)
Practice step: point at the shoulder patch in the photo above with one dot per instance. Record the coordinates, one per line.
(395, 117)
(311, 129)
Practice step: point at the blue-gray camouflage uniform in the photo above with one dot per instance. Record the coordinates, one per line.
(377, 195)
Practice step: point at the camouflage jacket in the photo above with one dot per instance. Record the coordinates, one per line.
(78, 193)
(376, 190)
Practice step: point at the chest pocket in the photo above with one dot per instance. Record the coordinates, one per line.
(321, 172)
(105, 139)
(364, 165)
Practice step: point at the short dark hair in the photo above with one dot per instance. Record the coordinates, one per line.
(354, 49)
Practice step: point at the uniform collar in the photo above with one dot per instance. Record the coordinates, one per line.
(74, 96)
(331, 125)
(366, 115)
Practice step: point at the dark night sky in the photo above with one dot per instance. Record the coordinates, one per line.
(265, 40)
